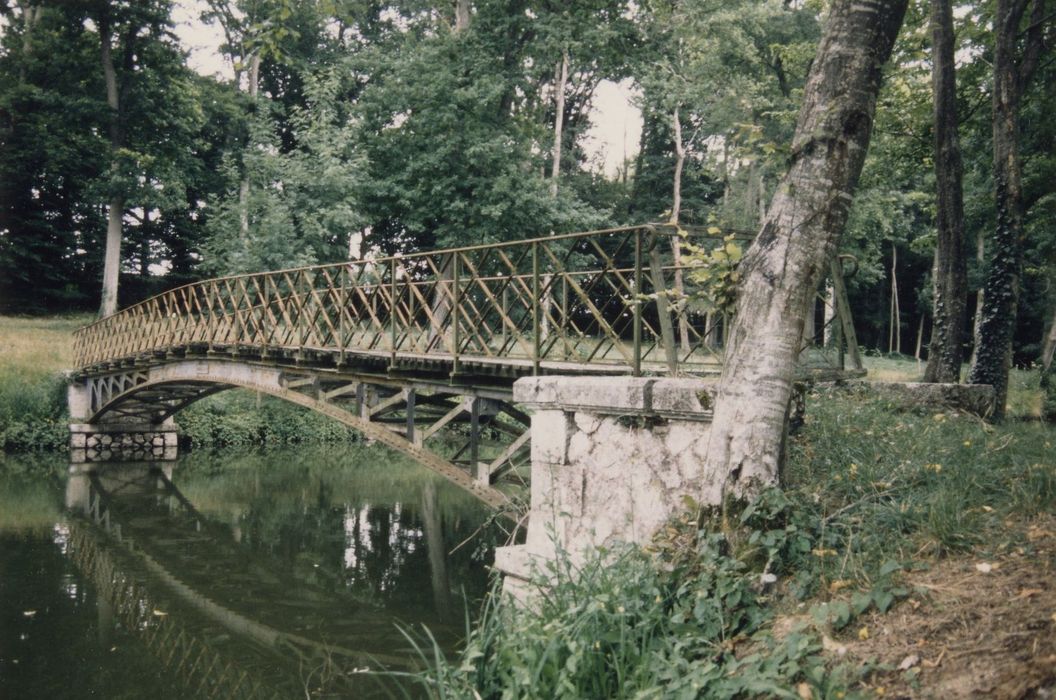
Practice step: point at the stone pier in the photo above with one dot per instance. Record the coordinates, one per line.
(613, 459)
(116, 439)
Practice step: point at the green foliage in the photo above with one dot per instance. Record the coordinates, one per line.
(301, 203)
(881, 481)
(618, 626)
(32, 412)
(871, 490)
(713, 274)
(240, 418)
(734, 71)
(1048, 400)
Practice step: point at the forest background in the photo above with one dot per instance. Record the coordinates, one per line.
(353, 125)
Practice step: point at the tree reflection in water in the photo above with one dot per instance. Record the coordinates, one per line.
(309, 558)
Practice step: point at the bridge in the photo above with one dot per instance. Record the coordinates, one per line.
(420, 351)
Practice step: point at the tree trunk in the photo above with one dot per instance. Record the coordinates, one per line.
(676, 246)
(831, 318)
(1048, 347)
(462, 15)
(30, 15)
(252, 86)
(116, 205)
(980, 257)
(561, 79)
(801, 233)
(894, 328)
(1001, 289)
(950, 272)
(920, 338)
(560, 82)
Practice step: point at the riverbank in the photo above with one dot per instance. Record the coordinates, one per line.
(910, 553)
(34, 352)
(898, 532)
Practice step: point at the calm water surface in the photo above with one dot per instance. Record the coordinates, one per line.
(282, 574)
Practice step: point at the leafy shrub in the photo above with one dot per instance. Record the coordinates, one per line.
(32, 412)
(619, 626)
(237, 418)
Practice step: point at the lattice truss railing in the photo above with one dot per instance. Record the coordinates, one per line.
(600, 298)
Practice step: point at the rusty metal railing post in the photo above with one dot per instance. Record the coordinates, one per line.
(455, 302)
(392, 312)
(637, 303)
(535, 308)
(505, 316)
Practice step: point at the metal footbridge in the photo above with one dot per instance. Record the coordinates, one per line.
(420, 351)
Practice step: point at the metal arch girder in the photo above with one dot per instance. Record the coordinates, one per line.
(160, 409)
(255, 378)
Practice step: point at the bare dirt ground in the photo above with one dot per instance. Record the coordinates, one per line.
(975, 627)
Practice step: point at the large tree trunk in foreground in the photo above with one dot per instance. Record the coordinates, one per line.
(951, 261)
(798, 238)
(112, 255)
(993, 356)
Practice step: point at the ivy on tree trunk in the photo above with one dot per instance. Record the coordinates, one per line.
(950, 275)
(993, 356)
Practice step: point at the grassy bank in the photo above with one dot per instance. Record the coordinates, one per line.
(34, 352)
(767, 600)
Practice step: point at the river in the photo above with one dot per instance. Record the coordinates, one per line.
(286, 573)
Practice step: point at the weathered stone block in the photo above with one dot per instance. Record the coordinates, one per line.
(635, 396)
(613, 459)
(977, 399)
(682, 395)
(550, 439)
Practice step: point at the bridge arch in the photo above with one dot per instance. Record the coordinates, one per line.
(150, 395)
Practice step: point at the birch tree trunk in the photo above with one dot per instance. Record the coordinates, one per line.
(561, 75)
(560, 82)
(676, 211)
(462, 15)
(803, 226)
(252, 86)
(894, 328)
(116, 205)
(950, 272)
(30, 15)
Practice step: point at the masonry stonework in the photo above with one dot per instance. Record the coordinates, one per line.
(613, 458)
(116, 440)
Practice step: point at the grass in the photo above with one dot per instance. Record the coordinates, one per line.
(34, 353)
(1025, 393)
(872, 491)
(39, 346)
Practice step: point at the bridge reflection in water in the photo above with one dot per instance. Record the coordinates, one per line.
(237, 602)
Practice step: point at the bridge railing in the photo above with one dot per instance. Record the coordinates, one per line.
(603, 299)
